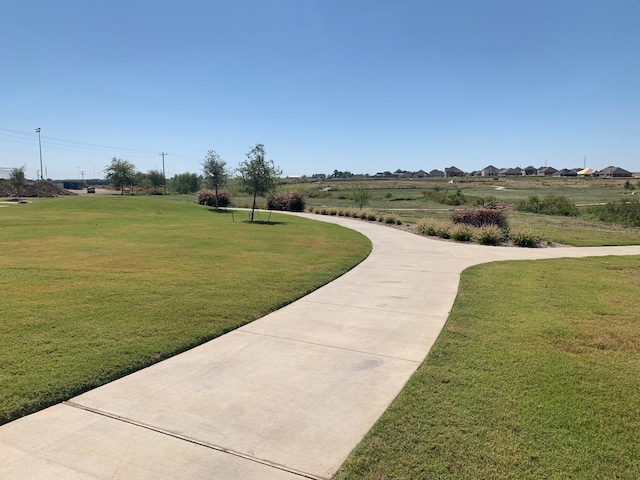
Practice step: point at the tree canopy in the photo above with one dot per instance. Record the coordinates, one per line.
(258, 176)
(156, 179)
(17, 179)
(121, 173)
(215, 172)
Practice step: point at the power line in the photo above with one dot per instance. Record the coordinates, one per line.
(24, 138)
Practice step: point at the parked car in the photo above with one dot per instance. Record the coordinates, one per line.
(91, 189)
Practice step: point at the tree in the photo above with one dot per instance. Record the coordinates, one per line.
(156, 178)
(185, 183)
(257, 175)
(215, 172)
(359, 194)
(17, 179)
(121, 173)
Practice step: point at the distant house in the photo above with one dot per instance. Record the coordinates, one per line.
(453, 172)
(587, 172)
(530, 170)
(565, 173)
(436, 173)
(546, 171)
(510, 172)
(614, 172)
(489, 171)
(420, 174)
(319, 176)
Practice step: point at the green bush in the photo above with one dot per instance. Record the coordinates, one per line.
(551, 205)
(526, 237)
(445, 197)
(208, 198)
(489, 235)
(623, 212)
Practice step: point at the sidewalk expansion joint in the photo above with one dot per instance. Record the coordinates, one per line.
(344, 349)
(195, 441)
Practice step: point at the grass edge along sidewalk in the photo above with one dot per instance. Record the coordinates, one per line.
(535, 375)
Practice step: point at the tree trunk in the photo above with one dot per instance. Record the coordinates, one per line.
(254, 206)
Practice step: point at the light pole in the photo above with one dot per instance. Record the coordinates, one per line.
(40, 147)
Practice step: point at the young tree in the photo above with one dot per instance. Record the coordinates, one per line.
(359, 194)
(258, 176)
(185, 183)
(17, 179)
(156, 179)
(215, 172)
(121, 173)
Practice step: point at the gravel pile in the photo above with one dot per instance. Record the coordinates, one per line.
(40, 188)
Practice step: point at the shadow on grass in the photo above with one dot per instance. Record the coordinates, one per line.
(244, 216)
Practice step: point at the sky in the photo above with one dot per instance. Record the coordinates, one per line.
(359, 86)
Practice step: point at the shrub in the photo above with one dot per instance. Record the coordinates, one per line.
(489, 235)
(445, 198)
(371, 216)
(623, 212)
(208, 198)
(289, 201)
(482, 216)
(462, 233)
(551, 205)
(527, 237)
(389, 219)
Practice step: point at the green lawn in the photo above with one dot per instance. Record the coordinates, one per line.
(96, 287)
(535, 375)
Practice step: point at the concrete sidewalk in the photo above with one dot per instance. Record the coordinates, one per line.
(285, 397)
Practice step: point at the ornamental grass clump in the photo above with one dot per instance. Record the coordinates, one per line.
(462, 233)
(526, 237)
(428, 227)
(489, 235)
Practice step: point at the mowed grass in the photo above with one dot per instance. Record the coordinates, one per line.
(94, 288)
(536, 375)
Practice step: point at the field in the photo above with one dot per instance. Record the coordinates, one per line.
(406, 199)
(94, 288)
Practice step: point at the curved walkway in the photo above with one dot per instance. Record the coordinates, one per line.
(285, 397)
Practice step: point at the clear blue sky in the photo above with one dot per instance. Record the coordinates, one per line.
(363, 86)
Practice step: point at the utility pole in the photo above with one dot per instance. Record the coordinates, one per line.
(164, 178)
(40, 146)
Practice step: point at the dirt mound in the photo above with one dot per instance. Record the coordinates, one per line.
(40, 188)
